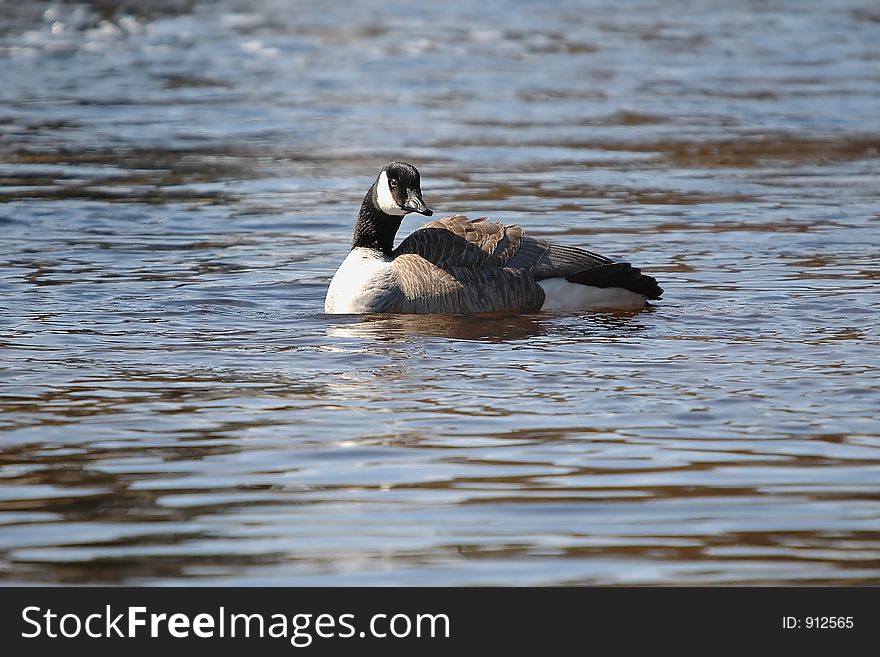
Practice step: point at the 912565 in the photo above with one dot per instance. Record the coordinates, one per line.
(818, 622)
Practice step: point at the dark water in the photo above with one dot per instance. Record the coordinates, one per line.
(179, 184)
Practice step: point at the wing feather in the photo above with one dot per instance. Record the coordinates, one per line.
(426, 287)
(461, 265)
(460, 241)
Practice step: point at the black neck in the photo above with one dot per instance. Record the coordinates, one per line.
(375, 229)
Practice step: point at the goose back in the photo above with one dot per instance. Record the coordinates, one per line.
(480, 266)
(466, 242)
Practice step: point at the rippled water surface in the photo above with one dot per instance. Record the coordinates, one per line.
(179, 183)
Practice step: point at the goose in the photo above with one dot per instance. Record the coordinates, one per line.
(460, 266)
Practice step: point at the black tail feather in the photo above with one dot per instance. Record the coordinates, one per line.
(618, 274)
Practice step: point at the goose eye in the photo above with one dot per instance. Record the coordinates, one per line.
(393, 183)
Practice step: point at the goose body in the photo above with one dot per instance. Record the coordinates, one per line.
(456, 265)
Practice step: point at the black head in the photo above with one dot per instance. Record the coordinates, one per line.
(397, 191)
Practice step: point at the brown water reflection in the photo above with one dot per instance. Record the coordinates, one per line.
(491, 328)
(179, 183)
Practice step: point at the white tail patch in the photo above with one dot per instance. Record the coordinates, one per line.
(561, 294)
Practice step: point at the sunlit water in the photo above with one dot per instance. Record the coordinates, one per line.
(179, 186)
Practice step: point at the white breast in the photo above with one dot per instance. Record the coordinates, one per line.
(360, 280)
(561, 294)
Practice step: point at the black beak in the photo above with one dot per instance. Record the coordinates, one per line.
(414, 203)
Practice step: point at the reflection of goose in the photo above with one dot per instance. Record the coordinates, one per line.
(458, 266)
(495, 327)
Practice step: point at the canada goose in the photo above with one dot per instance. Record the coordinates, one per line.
(458, 266)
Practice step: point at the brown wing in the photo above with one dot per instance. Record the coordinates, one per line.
(455, 265)
(459, 241)
(428, 288)
(490, 266)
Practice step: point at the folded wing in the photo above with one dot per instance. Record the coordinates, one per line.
(462, 266)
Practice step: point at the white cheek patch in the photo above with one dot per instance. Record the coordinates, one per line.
(384, 198)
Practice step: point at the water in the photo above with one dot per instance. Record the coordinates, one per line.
(180, 183)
